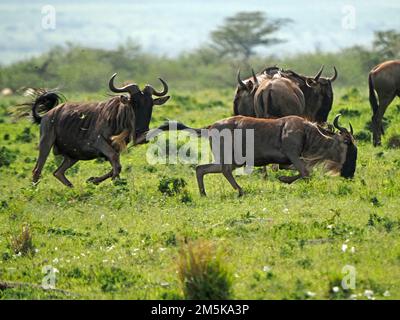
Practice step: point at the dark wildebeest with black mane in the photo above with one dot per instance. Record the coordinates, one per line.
(385, 80)
(318, 93)
(290, 140)
(91, 130)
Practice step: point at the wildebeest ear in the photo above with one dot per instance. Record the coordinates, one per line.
(160, 101)
(124, 99)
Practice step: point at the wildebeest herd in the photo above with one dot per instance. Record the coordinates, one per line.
(286, 111)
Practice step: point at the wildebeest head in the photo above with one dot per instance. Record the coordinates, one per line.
(318, 93)
(346, 137)
(142, 101)
(243, 102)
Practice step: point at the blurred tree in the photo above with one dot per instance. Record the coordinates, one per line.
(387, 44)
(243, 32)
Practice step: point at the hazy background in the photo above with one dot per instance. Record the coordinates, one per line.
(170, 27)
(142, 40)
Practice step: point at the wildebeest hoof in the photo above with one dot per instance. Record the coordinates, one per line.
(286, 179)
(241, 193)
(93, 180)
(203, 194)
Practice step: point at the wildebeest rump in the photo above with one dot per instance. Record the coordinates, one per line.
(85, 131)
(385, 80)
(278, 97)
(290, 140)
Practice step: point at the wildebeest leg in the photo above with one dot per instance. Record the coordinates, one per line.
(97, 180)
(203, 169)
(227, 172)
(384, 101)
(108, 151)
(300, 166)
(60, 172)
(264, 171)
(46, 142)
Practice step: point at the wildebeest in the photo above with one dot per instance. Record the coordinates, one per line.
(278, 97)
(90, 130)
(243, 101)
(317, 91)
(385, 80)
(290, 140)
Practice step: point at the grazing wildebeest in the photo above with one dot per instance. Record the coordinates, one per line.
(243, 102)
(318, 93)
(278, 97)
(385, 80)
(290, 140)
(90, 130)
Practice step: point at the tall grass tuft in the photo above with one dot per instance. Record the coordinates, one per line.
(202, 273)
(22, 243)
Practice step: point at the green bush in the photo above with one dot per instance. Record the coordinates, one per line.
(7, 156)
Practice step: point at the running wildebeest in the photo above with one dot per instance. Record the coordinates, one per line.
(91, 130)
(385, 80)
(290, 140)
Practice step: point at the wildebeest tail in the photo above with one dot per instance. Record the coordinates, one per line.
(43, 100)
(372, 97)
(179, 126)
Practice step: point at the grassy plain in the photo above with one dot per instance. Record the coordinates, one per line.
(121, 240)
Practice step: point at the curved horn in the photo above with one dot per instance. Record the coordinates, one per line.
(309, 82)
(336, 124)
(130, 88)
(241, 83)
(159, 94)
(335, 75)
(254, 78)
(351, 128)
(319, 73)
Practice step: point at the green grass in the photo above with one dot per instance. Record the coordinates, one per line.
(122, 240)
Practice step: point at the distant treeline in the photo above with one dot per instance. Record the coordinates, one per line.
(76, 68)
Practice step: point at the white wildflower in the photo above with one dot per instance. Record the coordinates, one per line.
(310, 294)
(267, 269)
(344, 247)
(369, 294)
(335, 289)
(386, 293)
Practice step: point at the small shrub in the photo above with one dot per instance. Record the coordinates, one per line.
(7, 157)
(114, 279)
(394, 142)
(378, 221)
(349, 113)
(25, 135)
(362, 136)
(22, 243)
(352, 95)
(202, 274)
(171, 186)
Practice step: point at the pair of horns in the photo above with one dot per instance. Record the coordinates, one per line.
(242, 84)
(134, 88)
(318, 75)
(340, 128)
